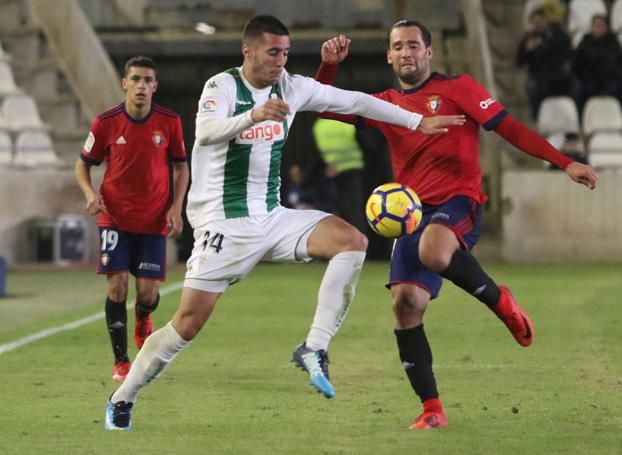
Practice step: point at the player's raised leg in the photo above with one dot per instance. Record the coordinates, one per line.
(345, 247)
(441, 252)
(158, 352)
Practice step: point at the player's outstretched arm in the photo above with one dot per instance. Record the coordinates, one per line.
(440, 123)
(582, 173)
(530, 142)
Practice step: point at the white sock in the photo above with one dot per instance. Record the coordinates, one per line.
(335, 296)
(160, 348)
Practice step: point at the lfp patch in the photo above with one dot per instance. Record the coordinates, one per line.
(209, 105)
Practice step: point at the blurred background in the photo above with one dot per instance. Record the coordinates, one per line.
(61, 62)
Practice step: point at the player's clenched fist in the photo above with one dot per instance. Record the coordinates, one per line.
(335, 49)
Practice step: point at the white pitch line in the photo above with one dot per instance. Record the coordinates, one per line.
(11, 346)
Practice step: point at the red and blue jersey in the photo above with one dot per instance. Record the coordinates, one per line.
(441, 166)
(136, 187)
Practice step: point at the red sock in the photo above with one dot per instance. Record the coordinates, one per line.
(432, 405)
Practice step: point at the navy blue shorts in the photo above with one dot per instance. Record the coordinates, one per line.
(143, 255)
(462, 215)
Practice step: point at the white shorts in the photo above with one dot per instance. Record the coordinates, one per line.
(225, 251)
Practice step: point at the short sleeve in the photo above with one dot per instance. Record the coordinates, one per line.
(94, 149)
(478, 103)
(177, 148)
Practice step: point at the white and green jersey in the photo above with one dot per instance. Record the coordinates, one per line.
(236, 163)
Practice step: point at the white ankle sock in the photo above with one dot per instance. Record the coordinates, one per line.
(334, 298)
(159, 350)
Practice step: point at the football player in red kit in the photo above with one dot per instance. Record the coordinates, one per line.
(137, 139)
(445, 172)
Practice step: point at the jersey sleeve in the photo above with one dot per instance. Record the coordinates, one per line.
(94, 149)
(215, 120)
(313, 96)
(477, 103)
(177, 148)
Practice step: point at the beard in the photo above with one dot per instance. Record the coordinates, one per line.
(411, 77)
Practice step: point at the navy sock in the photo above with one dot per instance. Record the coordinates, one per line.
(116, 319)
(466, 273)
(416, 357)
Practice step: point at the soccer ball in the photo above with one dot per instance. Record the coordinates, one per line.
(393, 210)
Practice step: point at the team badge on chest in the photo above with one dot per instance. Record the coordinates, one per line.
(434, 103)
(158, 138)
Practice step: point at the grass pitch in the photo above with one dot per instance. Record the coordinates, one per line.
(234, 391)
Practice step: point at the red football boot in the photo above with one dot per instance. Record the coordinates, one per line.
(142, 328)
(429, 420)
(514, 317)
(432, 416)
(121, 369)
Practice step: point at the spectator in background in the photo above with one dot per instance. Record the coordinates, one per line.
(546, 51)
(343, 156)
(597, 63)
(555, 11)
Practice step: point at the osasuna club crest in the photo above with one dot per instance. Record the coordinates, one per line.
(104, 259)
(434, 103)
(158, 138)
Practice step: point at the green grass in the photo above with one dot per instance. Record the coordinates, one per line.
(234, 391)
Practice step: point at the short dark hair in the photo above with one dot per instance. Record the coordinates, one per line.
(141, 61)
(425, 33)
(264, 23)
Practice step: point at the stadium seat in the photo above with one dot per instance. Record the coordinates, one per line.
(558, 114)
(602, 113)
(4, 57)
(7, 82)
(34, 148)
(580, 14)
(615, 17)
(20, 112)
(6, 148)
(606, 150)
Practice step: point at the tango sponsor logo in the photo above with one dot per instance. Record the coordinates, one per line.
(264, 132)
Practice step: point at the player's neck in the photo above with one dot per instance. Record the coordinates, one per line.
(137, 112)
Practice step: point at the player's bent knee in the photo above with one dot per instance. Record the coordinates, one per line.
(357, 241)
(433, 260)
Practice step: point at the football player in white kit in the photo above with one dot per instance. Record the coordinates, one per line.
(243, 118)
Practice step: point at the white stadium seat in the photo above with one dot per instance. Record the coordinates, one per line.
(34, 148)
(602, 113)
(606, 150)
(20, 112)
(7, 82)
(616, 17)
(6, 148)
(558, 114)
